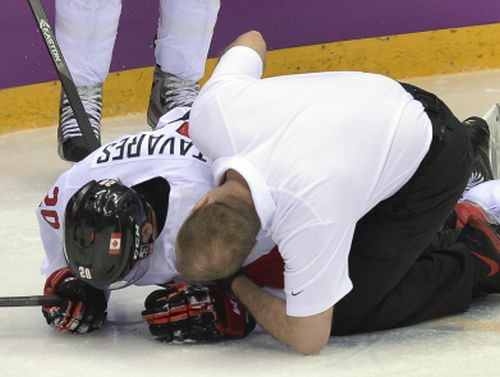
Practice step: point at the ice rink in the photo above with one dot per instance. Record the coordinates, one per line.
(461, 345)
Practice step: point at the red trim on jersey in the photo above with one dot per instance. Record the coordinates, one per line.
(267, 271)
(184, 129)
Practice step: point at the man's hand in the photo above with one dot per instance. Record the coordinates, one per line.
(189, 312)
(84, 309)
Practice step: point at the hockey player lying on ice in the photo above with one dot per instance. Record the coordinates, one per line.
(170, 310)
(121, 208)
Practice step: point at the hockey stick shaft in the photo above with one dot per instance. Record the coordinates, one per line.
(30, 301)
(64, 75)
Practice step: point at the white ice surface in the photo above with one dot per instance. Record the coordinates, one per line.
(461, 345)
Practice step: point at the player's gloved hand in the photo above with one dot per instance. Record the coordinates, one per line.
(85, 308)
(190, 312)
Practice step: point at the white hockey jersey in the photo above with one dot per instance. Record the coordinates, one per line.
(487, 196)
(167, 152)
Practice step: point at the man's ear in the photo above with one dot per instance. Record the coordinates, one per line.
(210, 197)
(205, 199)
(147, 231)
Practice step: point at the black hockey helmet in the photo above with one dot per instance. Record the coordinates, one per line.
(102, 234)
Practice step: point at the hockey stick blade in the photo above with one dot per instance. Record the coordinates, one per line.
(62, 71)
(14, 301)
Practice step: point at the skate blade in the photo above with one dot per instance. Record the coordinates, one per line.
(492, 117)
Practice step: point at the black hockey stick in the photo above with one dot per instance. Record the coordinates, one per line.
(64, 75)
(31, 301)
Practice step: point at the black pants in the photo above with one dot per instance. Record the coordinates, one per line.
(397, 280)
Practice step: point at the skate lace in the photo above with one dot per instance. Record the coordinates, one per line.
(179, 92)
(475, 179)
(91, 97)
(480, 174)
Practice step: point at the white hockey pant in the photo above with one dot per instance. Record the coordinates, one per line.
(86, 31)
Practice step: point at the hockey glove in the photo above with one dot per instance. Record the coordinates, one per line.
(84, 309)
(190, 312)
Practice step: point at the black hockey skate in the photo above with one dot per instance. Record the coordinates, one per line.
(169, 91)
(71, 144)
(479, 134)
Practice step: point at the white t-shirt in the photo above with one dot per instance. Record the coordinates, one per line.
(132, 159)
(318, 151)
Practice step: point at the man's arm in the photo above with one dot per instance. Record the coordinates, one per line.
(252, 39)
(307, 335)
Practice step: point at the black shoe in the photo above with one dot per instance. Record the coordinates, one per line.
(479, 134)
(169, 91)
(483, 241)
(71, 144)
(73, 149)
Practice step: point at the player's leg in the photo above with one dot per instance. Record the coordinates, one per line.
(184, 34)
(395, 282)
(86, 32)
(482, 202)
(481, 197)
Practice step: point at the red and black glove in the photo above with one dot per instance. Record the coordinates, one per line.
(84, 309)
(190, 312)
